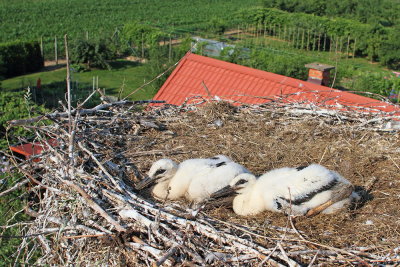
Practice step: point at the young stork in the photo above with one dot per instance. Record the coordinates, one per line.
(195, 179)
(297, 191)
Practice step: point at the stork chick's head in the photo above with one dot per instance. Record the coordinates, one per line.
(236, 186)
(242, 181)
(161, 170)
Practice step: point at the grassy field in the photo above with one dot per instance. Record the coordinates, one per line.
(125, 76)
(30, 19)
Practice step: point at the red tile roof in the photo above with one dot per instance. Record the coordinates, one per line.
(32, 149)
(245, 85)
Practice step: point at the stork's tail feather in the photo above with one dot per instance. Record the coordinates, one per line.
(340, 193)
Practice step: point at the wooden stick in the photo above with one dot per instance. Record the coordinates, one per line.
(15, 187)
(94, 205)
(167, 255)
(83, 236)
(81, 111)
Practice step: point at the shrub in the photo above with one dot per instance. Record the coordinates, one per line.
(19, 58)
(389, 52)
(93, 53)
(379, 83)
(283, 64)
(140, 37)
(216, 25)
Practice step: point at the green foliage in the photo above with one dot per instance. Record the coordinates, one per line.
(79, 68)
(140, 37)
(30, 20)
(370, 38)
(217, 25)
(161, 58)
(284, 64)
(15, 105)
(389, 52)
(183, 47)
(384, 12)
(9, 205)
(336, 26)
(93, 53)
(378, 83)
(19, 58)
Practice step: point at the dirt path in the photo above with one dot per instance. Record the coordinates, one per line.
(51, 65)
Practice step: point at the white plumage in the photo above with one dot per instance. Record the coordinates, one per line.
(291, 190)
(194, 179)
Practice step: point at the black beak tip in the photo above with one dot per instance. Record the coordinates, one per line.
(146, 182)
(223, 192)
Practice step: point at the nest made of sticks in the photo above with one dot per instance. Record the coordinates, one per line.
(86, 211)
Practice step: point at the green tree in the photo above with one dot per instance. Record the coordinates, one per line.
(92, 53)
(217, 25)
(285, 64)
(389, 52)
(140, 37)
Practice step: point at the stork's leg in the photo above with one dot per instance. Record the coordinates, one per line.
(340, 193)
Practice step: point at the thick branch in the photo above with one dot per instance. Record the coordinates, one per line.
(15, 187)
(95, 206)
(56, 114)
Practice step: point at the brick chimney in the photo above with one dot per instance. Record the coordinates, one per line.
(319, 73)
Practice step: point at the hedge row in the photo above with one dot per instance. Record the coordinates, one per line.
(18, 57)
(370, 38)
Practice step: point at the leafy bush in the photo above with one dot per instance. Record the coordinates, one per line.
(217, 25)
(389, 52)
(140, 37)
(19, 58)
(93, 53)
(284, 64)
(79, 68)
(379, 83)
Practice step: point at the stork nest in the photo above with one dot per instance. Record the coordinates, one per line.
(86, 210)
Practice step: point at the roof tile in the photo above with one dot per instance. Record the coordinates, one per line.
(246, 85)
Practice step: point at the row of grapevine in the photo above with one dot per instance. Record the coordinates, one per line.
(28, 20)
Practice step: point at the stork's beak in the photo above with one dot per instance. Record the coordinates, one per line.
(222, 197)
(146, 182)
(224, 192)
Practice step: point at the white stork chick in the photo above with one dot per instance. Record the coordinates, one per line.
(195, 179)
(297, 191)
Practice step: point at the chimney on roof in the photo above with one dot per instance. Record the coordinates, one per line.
(319, 73)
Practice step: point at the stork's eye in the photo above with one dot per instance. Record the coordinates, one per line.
(301, 167)
(241, 181)
(220, 164)
(160, 171)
